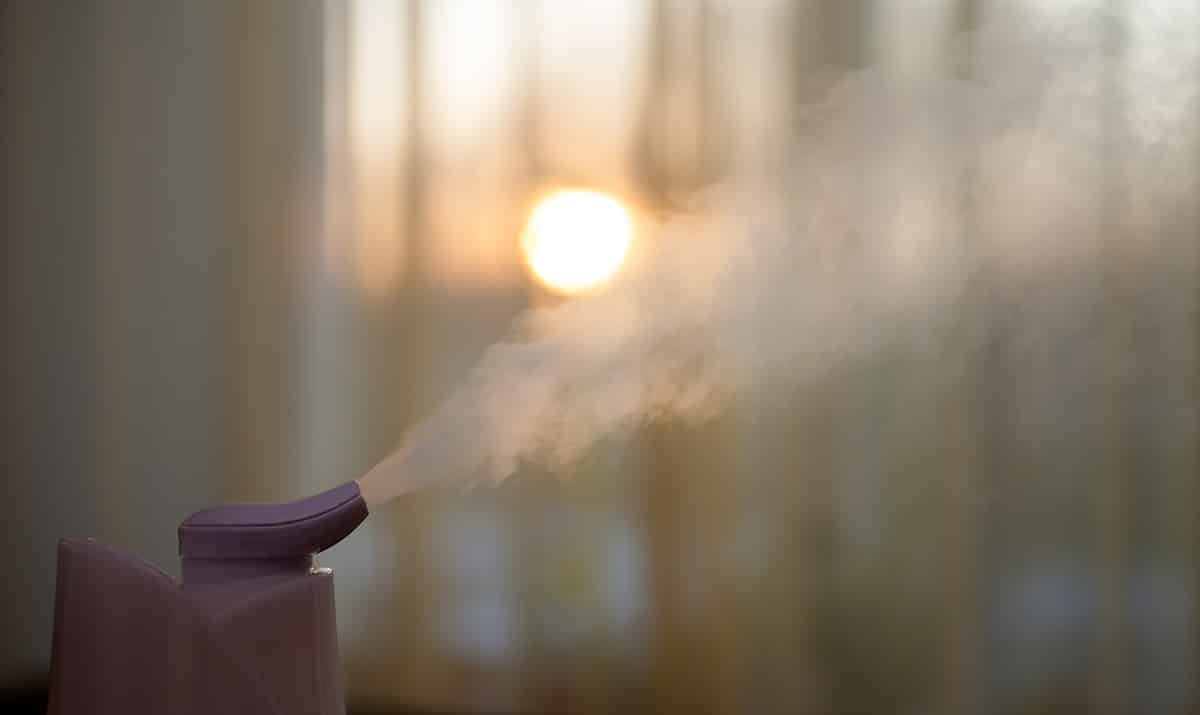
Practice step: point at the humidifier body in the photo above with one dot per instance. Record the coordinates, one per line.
(250, 627)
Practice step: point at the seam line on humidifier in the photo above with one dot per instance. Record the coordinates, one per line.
(268, 525)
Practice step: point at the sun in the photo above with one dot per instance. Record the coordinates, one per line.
(575, 241)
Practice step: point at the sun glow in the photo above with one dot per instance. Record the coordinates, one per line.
(575, 241)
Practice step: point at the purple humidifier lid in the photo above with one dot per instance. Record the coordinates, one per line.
(273, 531)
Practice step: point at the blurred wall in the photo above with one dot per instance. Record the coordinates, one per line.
(49, 308)
(157, 157)
(213, 290)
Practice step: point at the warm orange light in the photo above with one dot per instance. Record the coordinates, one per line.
(377, 119)
(575, 241)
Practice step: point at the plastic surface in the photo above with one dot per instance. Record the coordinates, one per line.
(246, 540)
(129, 640)
(248, 531)
(249, 629)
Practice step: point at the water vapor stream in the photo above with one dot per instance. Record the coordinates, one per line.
(861, 241)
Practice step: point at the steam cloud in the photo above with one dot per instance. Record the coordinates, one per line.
(902, 198)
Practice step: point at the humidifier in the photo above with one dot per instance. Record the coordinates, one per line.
(247, 628)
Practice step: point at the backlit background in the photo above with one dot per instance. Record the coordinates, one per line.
(247, 243)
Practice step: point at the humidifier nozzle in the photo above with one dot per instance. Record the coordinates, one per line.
(243, 540)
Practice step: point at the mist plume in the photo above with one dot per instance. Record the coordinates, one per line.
(902, 197)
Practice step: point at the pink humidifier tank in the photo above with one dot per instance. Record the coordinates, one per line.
(248, 629)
